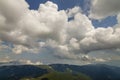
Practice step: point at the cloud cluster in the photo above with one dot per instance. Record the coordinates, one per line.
(8, 61)
(104, 8)
(48, 30)
(29, 62)
(92, 59)
(26, 28)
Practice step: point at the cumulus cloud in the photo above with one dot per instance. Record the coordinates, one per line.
(2, 47)
(100, 39)
(29, 62)
(8, 61)
(25, 28)
(92, 59)
(72, 12)
(103, 8)
(48, 30)
(5, 59)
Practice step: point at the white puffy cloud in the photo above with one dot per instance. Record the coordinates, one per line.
(101, 39)
(29, 62)
(48, 30)
(2, 47)
(92, 59)
(74, 43)
(46, 23)
(72, 12)
(8, 61)
(103, 8)
(5, 59)
(79, 26)
(10, 10)
(26, 28)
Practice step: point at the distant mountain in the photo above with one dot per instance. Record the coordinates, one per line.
(10, 63)
(16, 72)
(55, 71)
(96, 72)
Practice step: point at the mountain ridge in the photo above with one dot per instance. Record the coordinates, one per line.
(94, 71)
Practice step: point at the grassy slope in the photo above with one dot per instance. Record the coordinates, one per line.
(64, 76)
(54, 75)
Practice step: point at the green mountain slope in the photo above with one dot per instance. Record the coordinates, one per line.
(60, 76)
(55, 75)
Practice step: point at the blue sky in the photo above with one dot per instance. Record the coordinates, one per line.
(60, 31)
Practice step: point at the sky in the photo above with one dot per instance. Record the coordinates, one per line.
(76, 32)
